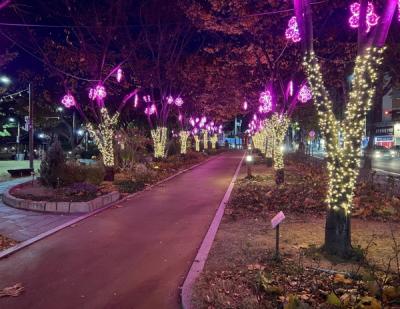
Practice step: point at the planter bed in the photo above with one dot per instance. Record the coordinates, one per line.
(38, 198)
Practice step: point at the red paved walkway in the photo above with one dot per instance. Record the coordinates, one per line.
(130, 257)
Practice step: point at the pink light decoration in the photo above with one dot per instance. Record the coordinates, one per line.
(180, 117)
(136, 101)
(266, 102)
(119, 75)
(398, 10)
(150, 110)
(305, 94)
(372, 18)
(245, 104)
(192, 122)
(203, 119)
(68, 100)
(179, 101)
(147, 98)
(291, 88)
(170, 100)
(97, 93)
(292, 32)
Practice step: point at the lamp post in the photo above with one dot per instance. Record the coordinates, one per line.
(249, 162)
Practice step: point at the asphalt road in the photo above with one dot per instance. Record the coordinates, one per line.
(382, 165)
(388, 165)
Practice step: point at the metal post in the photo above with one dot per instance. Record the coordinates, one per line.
(73, 129)
(277, 255)
(18, 139)
(31, 155)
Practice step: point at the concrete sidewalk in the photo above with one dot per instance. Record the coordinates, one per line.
(19, 224)
(135, 255)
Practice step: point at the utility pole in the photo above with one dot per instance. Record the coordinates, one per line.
(73, 129)
(31, 154)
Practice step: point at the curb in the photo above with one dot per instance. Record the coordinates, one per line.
(26, 243)
(205, 247)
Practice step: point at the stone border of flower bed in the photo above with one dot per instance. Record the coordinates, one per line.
(60, 207)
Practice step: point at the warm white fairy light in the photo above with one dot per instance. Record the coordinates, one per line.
(278, 125)
(197, 142)
(184, 135)
(103, 135)
(159, 136)
(214, 140)
(205, 139)
(343, 159)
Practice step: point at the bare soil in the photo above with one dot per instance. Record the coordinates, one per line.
(241, 271)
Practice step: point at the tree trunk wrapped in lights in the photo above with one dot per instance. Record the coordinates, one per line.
(184, 135)
(278, 124)
(257, 141)
(263, 142)
(214, 140)
(205, 139)
(159, 136)
(343, 158)
(197, 142)
(103, 136)
(270, 142)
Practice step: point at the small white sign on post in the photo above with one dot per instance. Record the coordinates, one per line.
(275, 221)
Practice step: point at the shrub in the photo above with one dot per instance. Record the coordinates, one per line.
(129, 186)
(82, 189)
(95, 174)
(52, 166)
(143, 174)
(73, 173)
(77, 173)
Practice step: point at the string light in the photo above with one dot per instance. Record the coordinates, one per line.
(170, 100)
(245, 104)
(119, 75)
(197, 141)
(159, 136)
(68, 100)
(104, 134)
(292, 31)
(305, 94)
(343, 157)
(179, 101)
(99, 92)
(184, 135)
(266, 102)
(371, 18)
(214, 140)
(136, 101)
(205, 139)
(150, 110)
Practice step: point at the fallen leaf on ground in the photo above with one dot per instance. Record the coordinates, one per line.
(13, 291)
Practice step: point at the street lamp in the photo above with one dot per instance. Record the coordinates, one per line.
(5, 80)
(249, 162)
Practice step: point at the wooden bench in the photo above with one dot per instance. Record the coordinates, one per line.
(21, 172)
